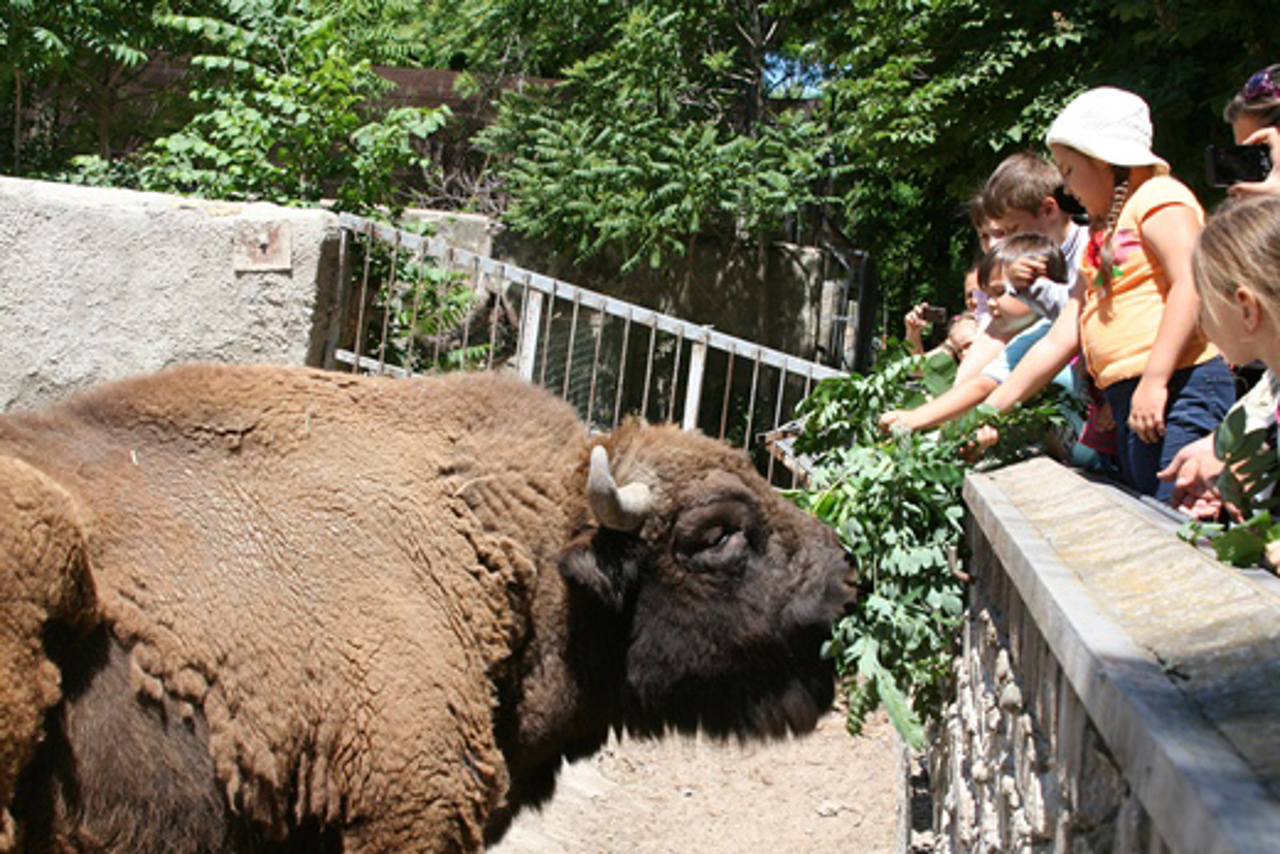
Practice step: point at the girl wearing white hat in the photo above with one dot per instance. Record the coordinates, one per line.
(1133, 312)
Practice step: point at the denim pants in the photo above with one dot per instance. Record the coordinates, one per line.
(1199, 398)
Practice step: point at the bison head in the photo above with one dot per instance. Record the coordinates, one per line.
(725, 590)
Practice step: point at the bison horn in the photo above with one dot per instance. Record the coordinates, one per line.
(622, 509)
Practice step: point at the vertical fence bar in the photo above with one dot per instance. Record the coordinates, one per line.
(622, 368)
(648, 368)
(441, 295)
(493, 310)
(417, 302)
(675, 376)
(595, 364)
(387, 303)
(530, 323)
(573, 333)
(728, 385)
(546, 338)
(693, 389)
(751, 403)
(364, 296)
(471, 302)
(777, 413)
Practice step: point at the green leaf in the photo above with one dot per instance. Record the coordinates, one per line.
(900, 713)
(1229, 433)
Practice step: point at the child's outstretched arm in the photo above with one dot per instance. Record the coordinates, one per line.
(955, 401)
(986, 345)
(1043, 361)
(1169, 234)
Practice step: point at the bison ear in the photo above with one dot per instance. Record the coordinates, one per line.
(605, 566)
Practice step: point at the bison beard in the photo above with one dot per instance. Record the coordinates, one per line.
(273, 609)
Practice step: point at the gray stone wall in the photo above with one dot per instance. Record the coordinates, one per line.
(96, 284)
(1018, 766)
(1117, 690)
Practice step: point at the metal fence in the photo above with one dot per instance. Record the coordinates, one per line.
(609, 358)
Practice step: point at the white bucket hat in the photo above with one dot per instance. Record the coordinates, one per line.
(1109, 124)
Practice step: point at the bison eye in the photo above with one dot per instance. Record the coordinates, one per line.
(713, 536)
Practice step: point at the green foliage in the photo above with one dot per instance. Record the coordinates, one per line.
(1248, 482)
(283, 117)
(895, 503)
(642, 148)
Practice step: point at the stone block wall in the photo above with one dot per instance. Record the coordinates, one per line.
(1117, 690)
(1019, 767)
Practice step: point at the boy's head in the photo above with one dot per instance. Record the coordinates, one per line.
(1006, 309)
(960, 334)
(1022, 195)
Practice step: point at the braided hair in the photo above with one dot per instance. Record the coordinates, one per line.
(1119, 195)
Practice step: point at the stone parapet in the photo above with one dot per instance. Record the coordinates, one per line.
(1117, 689)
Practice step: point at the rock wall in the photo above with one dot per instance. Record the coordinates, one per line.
(1117, 690)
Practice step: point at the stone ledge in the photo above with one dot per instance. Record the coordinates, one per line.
(1174, 655)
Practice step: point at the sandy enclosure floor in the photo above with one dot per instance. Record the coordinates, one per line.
(824, 792)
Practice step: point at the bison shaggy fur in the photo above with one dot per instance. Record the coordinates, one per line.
(273, 609)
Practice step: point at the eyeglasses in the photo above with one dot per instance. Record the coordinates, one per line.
(1260, 87)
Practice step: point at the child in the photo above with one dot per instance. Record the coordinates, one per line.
(961, 330)
(1009, 311)
(1254, 116)
(1235, 266)
(1133, 313)
(1022, 194)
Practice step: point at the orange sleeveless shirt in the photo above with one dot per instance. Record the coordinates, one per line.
(1118, 324)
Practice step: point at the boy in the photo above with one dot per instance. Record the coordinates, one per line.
(1009, 311)
(1023, 195)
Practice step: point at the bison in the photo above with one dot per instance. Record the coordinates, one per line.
(280, 609)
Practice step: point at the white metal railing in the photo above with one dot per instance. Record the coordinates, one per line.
(589, 348)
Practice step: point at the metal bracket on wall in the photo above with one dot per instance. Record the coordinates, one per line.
(261, 246)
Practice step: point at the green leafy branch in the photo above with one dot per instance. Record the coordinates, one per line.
(1250, 473)
(895, 503)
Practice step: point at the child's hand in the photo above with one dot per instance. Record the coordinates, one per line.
(1146, 410)
(1273, 553)
(1023, 272)
(914, 325)
(1271, 185)
(1194, 471)
(985, 437)
(899, 417)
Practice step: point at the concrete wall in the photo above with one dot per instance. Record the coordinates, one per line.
(1117, 690)
(96, 284)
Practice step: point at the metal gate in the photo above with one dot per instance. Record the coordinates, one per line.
(609, 358)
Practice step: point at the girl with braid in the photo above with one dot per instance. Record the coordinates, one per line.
(1133, 310)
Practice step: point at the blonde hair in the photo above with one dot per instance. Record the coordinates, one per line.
(1240, 248)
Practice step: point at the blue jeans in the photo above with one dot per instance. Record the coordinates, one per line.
(1199, 398)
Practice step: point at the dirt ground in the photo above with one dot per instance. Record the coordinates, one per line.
(824, 792)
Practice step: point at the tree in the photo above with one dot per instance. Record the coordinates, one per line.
(85, 50)
(660, 137)
(283, 115)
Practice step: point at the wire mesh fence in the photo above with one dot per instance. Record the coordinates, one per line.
(418, 305)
